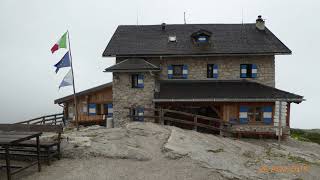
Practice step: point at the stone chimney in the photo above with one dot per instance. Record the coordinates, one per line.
(260, 23)
(163, 26)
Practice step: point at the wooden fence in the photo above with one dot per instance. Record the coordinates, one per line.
(162, 116)
(53, 119)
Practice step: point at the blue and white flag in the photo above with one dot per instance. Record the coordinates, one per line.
(67, 80)
(64, 62)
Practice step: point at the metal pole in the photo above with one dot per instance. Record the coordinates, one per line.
(74, 88)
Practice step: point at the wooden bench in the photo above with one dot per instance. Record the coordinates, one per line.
(49, 149)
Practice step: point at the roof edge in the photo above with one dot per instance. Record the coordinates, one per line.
(295, 100)
(197, 55)
(128, 70)
(84, 92)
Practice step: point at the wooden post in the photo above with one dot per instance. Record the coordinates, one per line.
(38, 152)
(161, 116)
(279, 124)
(55, 119)
(7, 154)
(195, 121)
(221, 128)
(43, 120)
(130, 114)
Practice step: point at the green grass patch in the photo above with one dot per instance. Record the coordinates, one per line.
(306, 135)
(297, 159)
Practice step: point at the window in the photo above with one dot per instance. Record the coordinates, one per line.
(177, 71)
(138, 114)
(202, 39)
(134, 79)
(70, 111)
(255, 114)
(84, 107)
(248, 71)
(137, 80)
(99, 109)
(212, 71)
(105, 108)
(108, 109)
(92, 109)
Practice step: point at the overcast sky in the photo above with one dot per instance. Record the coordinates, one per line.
(28, 30)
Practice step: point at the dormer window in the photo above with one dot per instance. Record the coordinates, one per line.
(201, 37)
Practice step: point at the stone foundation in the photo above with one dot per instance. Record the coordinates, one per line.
(259, 129)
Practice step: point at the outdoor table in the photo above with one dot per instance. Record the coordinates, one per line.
(11, 138)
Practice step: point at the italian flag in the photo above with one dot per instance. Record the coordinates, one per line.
(62, 43)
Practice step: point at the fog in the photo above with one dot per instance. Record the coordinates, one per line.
(28, 30)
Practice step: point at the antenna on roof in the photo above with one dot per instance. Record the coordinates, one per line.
(184, 17)
(242, 16)
(137, 18)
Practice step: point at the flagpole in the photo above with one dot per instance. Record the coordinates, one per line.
(74, 88)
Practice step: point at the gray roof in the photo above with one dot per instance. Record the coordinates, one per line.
(81, 93)
(151, 40)
(133, 65)
(221, 90)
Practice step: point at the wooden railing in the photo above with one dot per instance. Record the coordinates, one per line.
(163, 118)
(53, 119)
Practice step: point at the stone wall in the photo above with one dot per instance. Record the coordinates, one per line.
(126, 96)
(259, 128)
(229, 67)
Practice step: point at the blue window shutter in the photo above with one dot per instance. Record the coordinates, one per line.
(185, 71)
(254, 70)
(170, 71)
(92, 109)
(140, 113)
(243, 115)
(243, 73)
(140, 81)
(215, 71)
(110, 110)
(267, 115)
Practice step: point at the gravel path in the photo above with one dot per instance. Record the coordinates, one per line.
(120, 169)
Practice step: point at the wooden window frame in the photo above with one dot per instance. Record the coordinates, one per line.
(249, 70)
(212, 67)
(99, 109)
(174, 75)
(254, 121)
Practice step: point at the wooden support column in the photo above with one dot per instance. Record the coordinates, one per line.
(195, 120)
(288, 114)
(221, 127)
(161, 114)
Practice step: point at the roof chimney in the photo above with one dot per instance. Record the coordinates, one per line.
(163, 26)
(260, 23)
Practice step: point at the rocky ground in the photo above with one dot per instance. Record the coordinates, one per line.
(150, 151)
